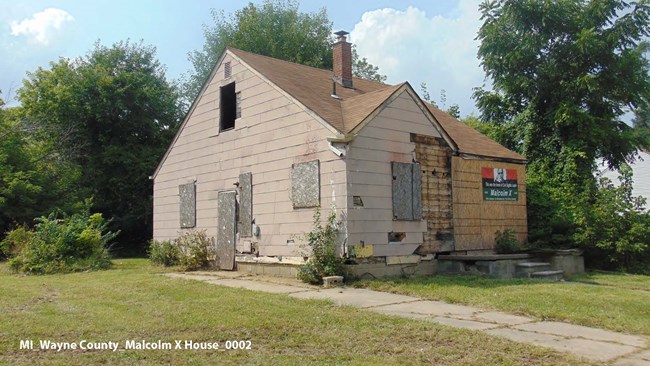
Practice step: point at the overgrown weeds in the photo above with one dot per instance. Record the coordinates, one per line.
(321, 244)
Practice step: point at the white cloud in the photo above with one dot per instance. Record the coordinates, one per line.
(42, 26)
(439, 50)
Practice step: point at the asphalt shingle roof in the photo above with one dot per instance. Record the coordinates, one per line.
(313, 88)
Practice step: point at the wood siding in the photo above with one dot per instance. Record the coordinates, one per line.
(272, 133)
(385, 139)
(434, 156)
(476, 220)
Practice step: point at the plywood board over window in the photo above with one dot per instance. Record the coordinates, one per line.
(187, 193)
(407, 191)
(305, 184)
(246, 204)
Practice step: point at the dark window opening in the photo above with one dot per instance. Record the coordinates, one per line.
(228, 106)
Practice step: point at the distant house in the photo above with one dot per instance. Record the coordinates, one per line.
(267, 141)
(640, 176)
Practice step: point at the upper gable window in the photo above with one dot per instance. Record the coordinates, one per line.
(228, 105)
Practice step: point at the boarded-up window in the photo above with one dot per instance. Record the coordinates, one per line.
(238, 103)
(246, 204)
(187, 210)
(407, 191)
(305, 184)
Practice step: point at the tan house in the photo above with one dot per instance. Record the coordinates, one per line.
(267, 141)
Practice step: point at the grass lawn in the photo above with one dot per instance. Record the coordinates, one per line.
(611, 301)
(133, 302)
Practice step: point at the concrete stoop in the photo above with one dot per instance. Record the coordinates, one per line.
(539, 270)
(504, 266)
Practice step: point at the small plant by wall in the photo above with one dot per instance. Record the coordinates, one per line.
(506, 242)
(164, 253)
(321, 244)
(192, 250)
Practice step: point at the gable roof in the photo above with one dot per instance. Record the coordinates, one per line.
(313, 87)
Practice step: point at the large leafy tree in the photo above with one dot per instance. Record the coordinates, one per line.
(566, 71)
(563, 73)
(33, 179)
(275, 28)
(120, 114)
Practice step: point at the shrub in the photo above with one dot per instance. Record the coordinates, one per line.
(13, 243)
(616, 231)
(192, 250)
(74, 243)
(195, 250)
(506, 241)
(163, 252)
(323, 260)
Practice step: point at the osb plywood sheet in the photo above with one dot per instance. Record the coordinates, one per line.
(305, 184)
(476, 220)
(187, 215)
(227, 206)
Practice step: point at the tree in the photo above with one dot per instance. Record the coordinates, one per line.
(563, 73)
(33, 180)
(275, 28)
(121, 113)
(361, 68)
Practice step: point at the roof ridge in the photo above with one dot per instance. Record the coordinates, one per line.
(303, 65)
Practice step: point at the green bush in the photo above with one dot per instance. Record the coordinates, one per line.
(616, 231)
(192, 250)
(195, 250)
(163, 252)
(74, 243)
(605, 220)
(323, 260)
(13, 243)
(506, 241)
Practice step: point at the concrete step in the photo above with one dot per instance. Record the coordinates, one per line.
(548, 275)
(525, 269)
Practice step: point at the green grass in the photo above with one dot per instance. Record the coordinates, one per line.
(623, 305)
(620, 280)
(133, 301)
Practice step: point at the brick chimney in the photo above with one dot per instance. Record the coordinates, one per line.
(342, 60)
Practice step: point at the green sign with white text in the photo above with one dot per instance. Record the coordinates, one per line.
(499, 184)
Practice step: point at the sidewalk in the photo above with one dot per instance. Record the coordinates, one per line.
(591, 343)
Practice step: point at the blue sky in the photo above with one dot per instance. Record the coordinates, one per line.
(414, 41)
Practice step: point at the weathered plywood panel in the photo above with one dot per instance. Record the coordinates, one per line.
(475, 221)
(226, 230)
(305, 184)
(246, 204)
(187, 216)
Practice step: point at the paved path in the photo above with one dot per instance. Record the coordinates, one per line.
(591, 343)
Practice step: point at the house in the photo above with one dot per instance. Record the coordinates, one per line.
(640, 175)
(267, 141)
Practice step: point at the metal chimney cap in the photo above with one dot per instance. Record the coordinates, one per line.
(341, 35)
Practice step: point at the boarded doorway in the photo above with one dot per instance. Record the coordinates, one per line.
(226, 230)
(434, 156)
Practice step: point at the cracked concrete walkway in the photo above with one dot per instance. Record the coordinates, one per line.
(592, 343)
